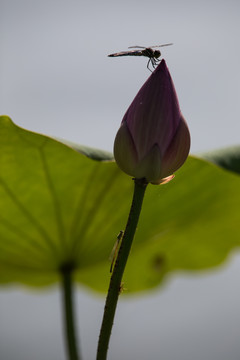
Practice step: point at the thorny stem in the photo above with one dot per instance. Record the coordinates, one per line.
(116, 279)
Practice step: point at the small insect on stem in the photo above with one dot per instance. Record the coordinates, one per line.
(115, 249)
(121, 288)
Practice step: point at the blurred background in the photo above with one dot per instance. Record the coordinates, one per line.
(56, 79)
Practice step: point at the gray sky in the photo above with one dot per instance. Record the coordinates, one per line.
(56, 79)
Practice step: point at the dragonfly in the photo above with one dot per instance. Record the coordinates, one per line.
(149, 52)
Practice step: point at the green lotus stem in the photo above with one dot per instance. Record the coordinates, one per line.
(116, 279)
(69, 325)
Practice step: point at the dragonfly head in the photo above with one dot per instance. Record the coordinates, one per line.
(156, 54)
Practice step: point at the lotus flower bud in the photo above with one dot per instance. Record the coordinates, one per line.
(153, 140)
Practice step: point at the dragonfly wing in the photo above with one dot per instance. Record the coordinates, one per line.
(156, 46)
(137, 47)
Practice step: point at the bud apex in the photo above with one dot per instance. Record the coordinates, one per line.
(153, 140)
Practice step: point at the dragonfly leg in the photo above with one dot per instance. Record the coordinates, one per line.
(150, 60)
(155, 62)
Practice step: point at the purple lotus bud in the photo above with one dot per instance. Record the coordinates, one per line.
(153, 140)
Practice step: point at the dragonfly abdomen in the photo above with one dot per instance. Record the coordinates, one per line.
(127, 53)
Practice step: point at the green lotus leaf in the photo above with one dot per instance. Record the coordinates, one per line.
(228, 158)
(92, 153)
(59, 206)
